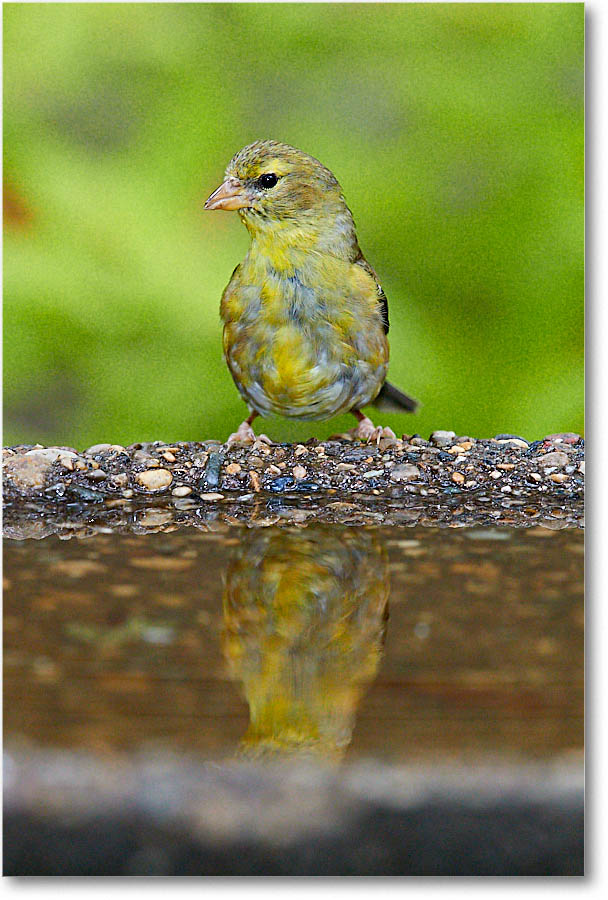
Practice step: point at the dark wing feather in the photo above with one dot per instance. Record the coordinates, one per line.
(360, 260)
(390, 398)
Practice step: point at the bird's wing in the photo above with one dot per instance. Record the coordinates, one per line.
(360, 260)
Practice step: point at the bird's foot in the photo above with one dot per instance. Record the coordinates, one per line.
(246, 435)
(367, 431)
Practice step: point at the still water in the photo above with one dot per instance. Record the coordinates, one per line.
(336, 643)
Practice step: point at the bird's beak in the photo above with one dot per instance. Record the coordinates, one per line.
(229, 195)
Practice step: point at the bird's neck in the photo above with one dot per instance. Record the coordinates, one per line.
(286, 242)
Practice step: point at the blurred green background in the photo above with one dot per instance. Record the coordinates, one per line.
(456, 131)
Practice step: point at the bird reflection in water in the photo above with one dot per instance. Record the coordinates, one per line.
(304, 619)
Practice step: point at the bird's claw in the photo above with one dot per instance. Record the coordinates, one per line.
(246, 435)
(366, 431)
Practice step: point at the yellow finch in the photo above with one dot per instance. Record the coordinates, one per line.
(305, 319)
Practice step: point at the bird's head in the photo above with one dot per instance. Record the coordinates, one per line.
(275, 186)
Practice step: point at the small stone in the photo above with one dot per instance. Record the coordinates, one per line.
(300, 450)
(559, 477)
(67, 463)
(405, 472)
(49, 453)
(458, 477)
(155, 479)
(168, 456)
(346, 467)
(97, 448)
(182, 490)
(373, 473)
(299, 472)
(535, 476)
(120, 479)
(261, 447)
(232, 469)
(558, 458)
(213, 468)
(27, 472)
(442, 437)
(506, 466)
(495, 474)
(96, 475)
(128, 493)
(255, 480)
(212, 496)
(512, 442)
(273, 470)
(565, 437)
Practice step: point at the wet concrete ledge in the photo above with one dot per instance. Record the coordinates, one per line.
(447, 479)
(74, 814)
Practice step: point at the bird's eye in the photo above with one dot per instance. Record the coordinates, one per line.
(267, 181)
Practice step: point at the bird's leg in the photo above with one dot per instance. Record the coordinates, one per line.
(245, 433)
(367, 431)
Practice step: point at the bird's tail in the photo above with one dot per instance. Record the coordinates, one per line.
(391, 399)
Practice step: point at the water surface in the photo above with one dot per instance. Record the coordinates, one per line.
(341, 642)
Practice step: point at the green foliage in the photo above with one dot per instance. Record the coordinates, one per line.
(456, 131)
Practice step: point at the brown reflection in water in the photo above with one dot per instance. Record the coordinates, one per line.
(113, 643)
(304, 617)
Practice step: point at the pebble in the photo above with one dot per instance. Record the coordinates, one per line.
(50, 454)
(182, 490)
(155, 479)
(299, 472)
(27, 472)
(458, 477)
(373, 473)
(513, 442)
(232, 469)
(255, 480)
(212, 496)
(509, 437)
(405, 472)
(557, 458)
(442, 437)
(282, 484)
(565, 437)
(300, 450)
(97, 448)
(213, 468)
(97, 475)
(559, 477)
